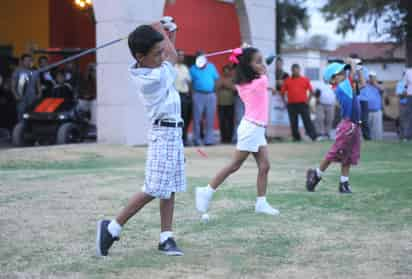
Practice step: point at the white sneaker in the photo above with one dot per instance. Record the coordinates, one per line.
(203, 198)
(264, 207)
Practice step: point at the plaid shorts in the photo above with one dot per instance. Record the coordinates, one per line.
(165, 170)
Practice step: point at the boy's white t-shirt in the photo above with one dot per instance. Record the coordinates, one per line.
(157, 91)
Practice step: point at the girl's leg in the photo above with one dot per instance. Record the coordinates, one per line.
(137, 202)
(262, 160)
(204, 194)
(238, 158)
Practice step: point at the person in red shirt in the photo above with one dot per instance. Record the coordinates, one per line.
(296, 89)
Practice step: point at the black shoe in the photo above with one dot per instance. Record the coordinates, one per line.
(312, 180)
(344, 188)
(169, 248)
(104, 239)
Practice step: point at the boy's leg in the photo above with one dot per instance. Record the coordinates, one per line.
(167, 244)
(344, 186)
(137, 202)
(109, 231)
(262, 160)
(166, 213)
(314, 176)
(204, 194)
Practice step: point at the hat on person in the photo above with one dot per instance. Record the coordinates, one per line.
(333, 69)
(372, 73)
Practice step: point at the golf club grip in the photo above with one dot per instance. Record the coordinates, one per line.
(77, 56)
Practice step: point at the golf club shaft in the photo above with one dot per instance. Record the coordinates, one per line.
(77, 56)
(218, 52)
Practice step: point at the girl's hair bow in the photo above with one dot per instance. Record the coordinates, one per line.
(234, 56)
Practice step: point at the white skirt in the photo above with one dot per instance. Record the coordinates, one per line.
(250, 136)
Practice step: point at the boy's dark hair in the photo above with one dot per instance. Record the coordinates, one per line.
(142, 39)
(25, 55)
(244, 71)
(295, 66)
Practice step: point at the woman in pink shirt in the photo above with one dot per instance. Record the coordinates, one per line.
(252, 85)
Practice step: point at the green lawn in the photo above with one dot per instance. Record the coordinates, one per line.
(51, 198)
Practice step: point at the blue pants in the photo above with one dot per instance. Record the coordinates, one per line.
(239, 112)
(204, 103)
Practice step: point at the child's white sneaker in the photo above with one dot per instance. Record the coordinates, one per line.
(203, 197)
(264, 207)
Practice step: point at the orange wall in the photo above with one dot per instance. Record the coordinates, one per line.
(24, 22)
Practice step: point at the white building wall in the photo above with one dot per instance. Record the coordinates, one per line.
(120, 114)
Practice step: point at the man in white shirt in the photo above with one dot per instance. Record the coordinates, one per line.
(325, 110)
(407, 98)
(182, 85)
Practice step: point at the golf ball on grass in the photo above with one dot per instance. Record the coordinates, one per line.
(205, 218)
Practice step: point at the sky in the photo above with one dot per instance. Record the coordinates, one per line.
(318, 24)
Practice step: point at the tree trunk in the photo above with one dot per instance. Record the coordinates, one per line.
(408, 40)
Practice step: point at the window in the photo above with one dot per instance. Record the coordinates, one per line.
(312, 73)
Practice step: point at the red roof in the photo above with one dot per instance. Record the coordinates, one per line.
(371, 51)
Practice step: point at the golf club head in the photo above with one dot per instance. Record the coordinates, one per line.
(201, 61)
(269, 60)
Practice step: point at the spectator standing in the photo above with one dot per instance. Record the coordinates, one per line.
(88, 92)
(204, 100)
(62, 89)
(403, 101)
(325, 110)
(225, 94)
(46, 79)
(182, 85)
(407, 106)
(375, 115)
(72, 77)
(364, 101)
(281, 75)
(296, 89)
(22, 84)
(239, 111)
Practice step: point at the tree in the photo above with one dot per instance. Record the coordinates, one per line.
(317, 41)
(392, 18)
(290, 14)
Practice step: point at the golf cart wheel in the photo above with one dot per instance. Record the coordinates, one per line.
(18, 136)
(68, 133)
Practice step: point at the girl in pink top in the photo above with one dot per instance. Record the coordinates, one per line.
(252, 84)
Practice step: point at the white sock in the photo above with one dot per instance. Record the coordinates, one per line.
(344, 179)
(114, 228)
(165, 235)
(210, 190)
(319, 173)
(261, 199)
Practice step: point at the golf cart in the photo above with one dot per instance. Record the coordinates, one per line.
(53, 120)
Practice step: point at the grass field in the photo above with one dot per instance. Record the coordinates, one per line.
(51, 198)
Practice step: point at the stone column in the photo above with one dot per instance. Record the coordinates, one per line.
(120, 114)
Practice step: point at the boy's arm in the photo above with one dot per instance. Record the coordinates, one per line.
(169, 41)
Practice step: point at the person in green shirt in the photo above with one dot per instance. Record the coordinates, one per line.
(225, 97)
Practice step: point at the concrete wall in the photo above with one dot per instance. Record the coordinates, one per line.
(121, 118)
(120, 115)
